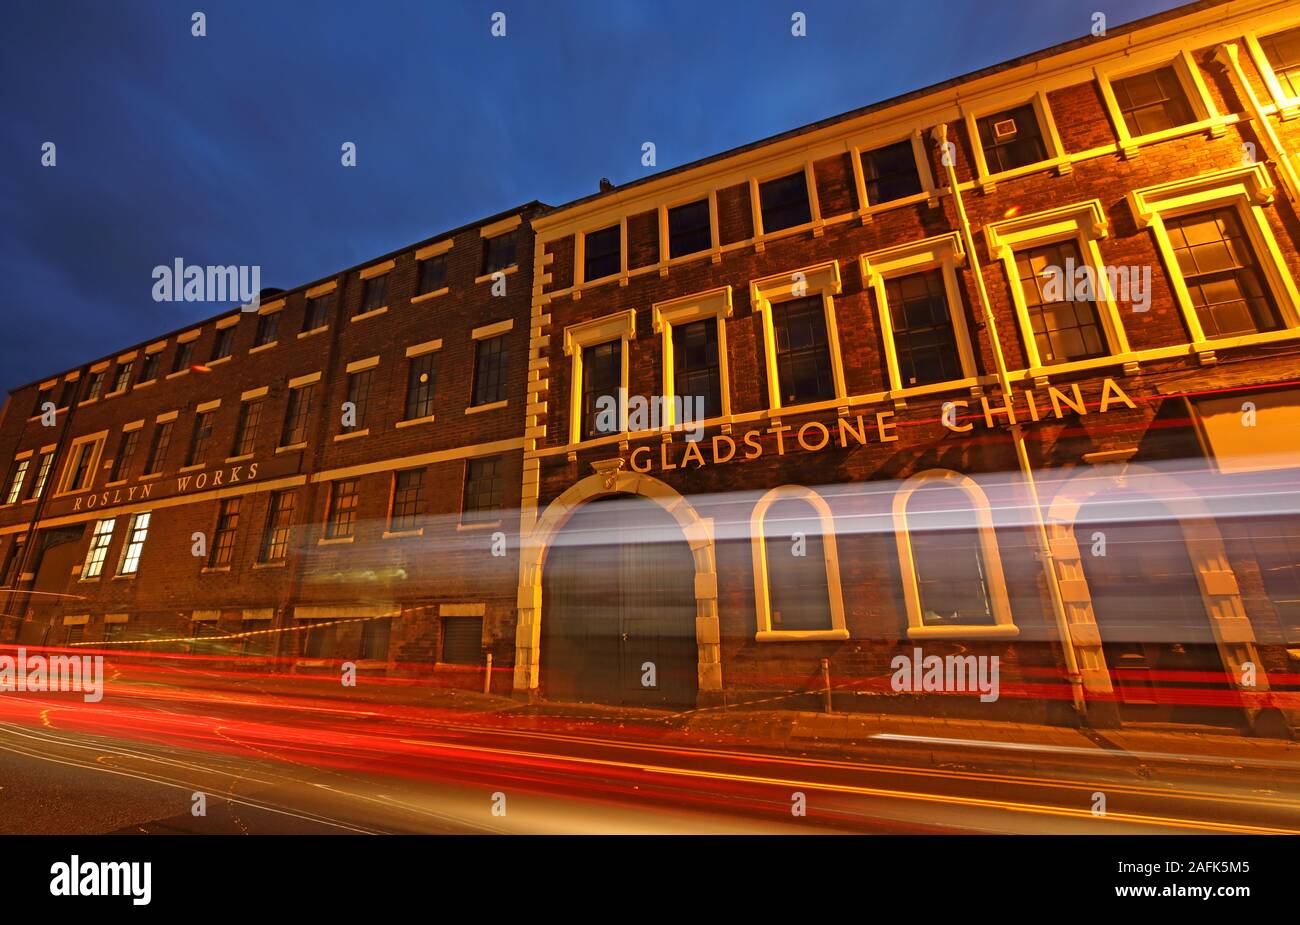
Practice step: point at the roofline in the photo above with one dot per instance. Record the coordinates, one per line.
(531, 205)
(1138, 24)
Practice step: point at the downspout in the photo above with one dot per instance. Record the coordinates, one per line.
(1228, 55)
(940, 135)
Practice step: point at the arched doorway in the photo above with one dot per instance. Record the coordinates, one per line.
(1164, 660)
(619, 607)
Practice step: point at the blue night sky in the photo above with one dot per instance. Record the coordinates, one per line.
(225, 149)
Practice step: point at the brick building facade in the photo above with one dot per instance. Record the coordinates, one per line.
(911, 443)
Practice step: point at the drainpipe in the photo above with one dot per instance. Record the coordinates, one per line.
(940, 135)
(1228, 55)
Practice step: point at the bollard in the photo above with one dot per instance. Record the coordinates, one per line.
(826, 679)
(487, 676)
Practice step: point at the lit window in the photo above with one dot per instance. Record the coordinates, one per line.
(1152, 101)
(98, 551)
(1064, 329)
(1283, 53)
(279, 522)
(122, 378)
(135, 537)
(408, 503)
(16, 481)
(42, 474)
(223, 538)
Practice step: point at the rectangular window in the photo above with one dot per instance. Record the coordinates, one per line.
(224, 345)
(340, 519)
(122, 377)
(374, 639)
(433, 274)
(279, 521)
(223, 538)
(499, 252)
(696, 372)
(250, 416)
(201, 438)
(923, 336)
(689, 229)
(81, 475)
(162, 438)
(602, 253)
(136, 534)
(318, 312)
(890, 173)
(43, 396)
(419, 387)
(1064, 329)
(94, 386)
(149, 367)
(484, 486)
(69, 394)
(602, 376)
(98, 551)
(16, 481)
(784, 202)
(490, 370)
(374, 294)
(125, 455)
(1011, 139)
(1152, 101)
(297, 415)
(462, 641)
(359, 396)
(42, 474)
(1221, 274)
(803, 356)
(408, 501)
(268, 329)
(1283, 53)
(14, 564)
(184, 356)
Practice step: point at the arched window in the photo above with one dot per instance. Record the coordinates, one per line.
(948, 556)
(796, 567)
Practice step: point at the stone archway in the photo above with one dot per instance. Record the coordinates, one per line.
(1233, 633)
(698, 531)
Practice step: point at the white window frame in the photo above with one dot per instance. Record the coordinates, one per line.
(713, 251)
(619, 326)
(756, 205)
(69, 467)
(133, 547)
(1004, 626)
(1288, 107)
(1084, 223)
(831, 562)
(1055, 151)
(866, 208)
(1204, 114)
(944, 252)
(98, 532)
(580, 256)
(713, 303)
(819, 279)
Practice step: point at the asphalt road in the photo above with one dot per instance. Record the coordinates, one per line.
(275, 761)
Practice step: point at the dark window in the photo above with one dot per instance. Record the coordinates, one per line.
(947, 558)
(803, 356)
(82, 474)
(483, 490)
(1011, 139)
(923, 336)
(433, 274)
(250, 416)
(42, 475)
(340, 520)
(201, 437)
(1221, 273)
(359, 396)
(374, 639)
(69, 393)
(1283, 52)
(374, 293)
(890, 173)
(696, 373)
(13, 564)
(223, 538)
(689, 230)
(125, 455)
(784, 202)
(122, 377)
(318, 312)
(297, 415)
(602, 376)
(149, 367)
(74, 633)
(602, 252)
(162, 438)
(279, 521)
(1064, 329)
(224, 345)
(1276, 544)
(499, 252)
(408, 501)
(268, 329)
(419, 387)
(43, 396)
(1153, 101)
(490, 370)
(799, 595)
(184, 355)
(94, 386)
(462, 641)
(16, 479)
